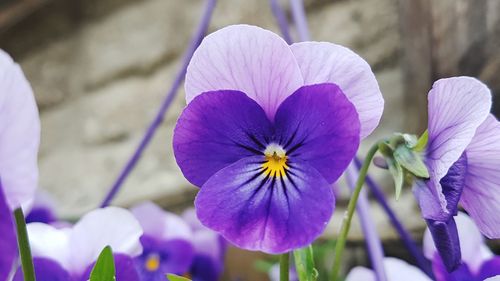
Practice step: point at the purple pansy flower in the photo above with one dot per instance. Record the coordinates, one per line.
(479, 262)
(395, 269)
(463, 159)
(166, 243)
(210, 248)
(268, 127)
(68, 254)
(19, 140)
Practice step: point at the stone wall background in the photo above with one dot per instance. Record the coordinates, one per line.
(101, 68)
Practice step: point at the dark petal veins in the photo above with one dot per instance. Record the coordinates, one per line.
(217, 129)
(445, 236)
(453, 184)
(319, 125)
(266, 213)
(489, 268)
(8, 241)
(46, 270)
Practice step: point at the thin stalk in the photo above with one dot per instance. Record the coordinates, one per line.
(280, 16)
(284, 266)
(24, 246)
(408, 241)
(146, 139)
(299, 16)
(346, 223)
(374, 245)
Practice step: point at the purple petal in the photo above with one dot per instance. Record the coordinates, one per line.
(457, 106)
(159, 223)
(20, 134)
(472, 246)
(46, 270)
(446, 240)
(43, 208)
(49, 242)
(217, 129)
(171, 256)
(322, 62)
(111, 226)
(247, 59)
(481, 195)
(461, 273)
(273, 214)
(8, 239)
(490, 268)
(318, 125)
(205, 268)
(124, 269)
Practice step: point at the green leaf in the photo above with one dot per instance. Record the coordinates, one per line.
(411, 161)
(104, 268)
(304, 264)
(173, 277)
(422, 142)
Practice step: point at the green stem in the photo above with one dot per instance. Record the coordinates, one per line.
(346, 223)
(24, 246)
(284, 266)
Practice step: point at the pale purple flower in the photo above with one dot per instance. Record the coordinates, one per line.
(395, 269)
(19, 140)
(478, 262)
(68, 254)
(166, 242)
(463, 159)
(210, 249)
(268, 127)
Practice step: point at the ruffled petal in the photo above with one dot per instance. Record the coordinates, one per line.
(248, 59)
(49, 242)
(19, 134)
(319, 125)
(457, 106)
(159, 223)
(481, 194)
(322, 62)
(273, 214)
(217, 129)
(7, 238)
(46, 270)
(109, 226)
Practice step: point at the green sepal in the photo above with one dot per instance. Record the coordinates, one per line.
(104, 268)
(422, 142)
(173, 277)
(411, 161)
(394, 167)
(304, 264)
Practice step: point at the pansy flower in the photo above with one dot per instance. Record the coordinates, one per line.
(267, 129)
(209, 250)
(69, 254)
(19, 140)
(166, 243)
(463, 159)
(478, 262)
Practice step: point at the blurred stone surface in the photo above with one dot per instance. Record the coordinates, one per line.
(99, 82)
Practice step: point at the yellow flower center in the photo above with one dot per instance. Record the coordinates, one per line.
(153, 262)
(275, 165)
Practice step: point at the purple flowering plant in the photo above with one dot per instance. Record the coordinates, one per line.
(268, 128)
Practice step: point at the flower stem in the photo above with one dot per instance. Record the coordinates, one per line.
(299, 16)
(284, 266)
(280, 16)
(196, 40)
(346, 223)
(374, 245)
(414, 250)
(24, 246)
